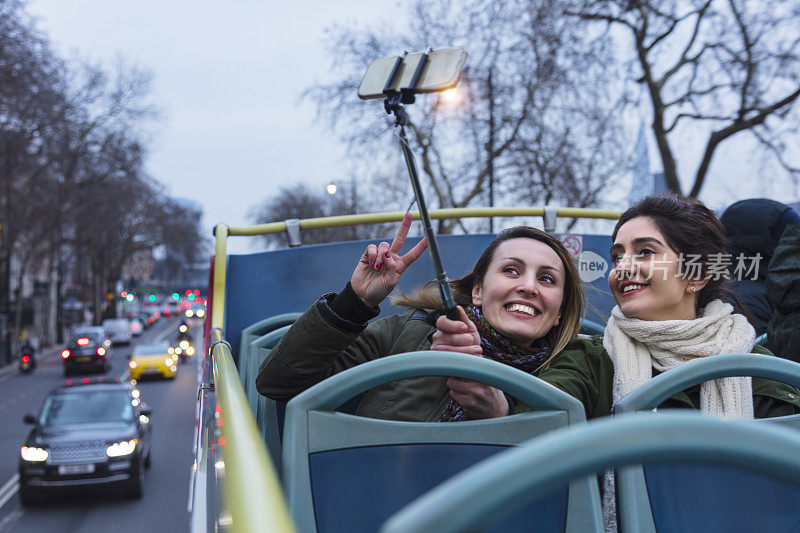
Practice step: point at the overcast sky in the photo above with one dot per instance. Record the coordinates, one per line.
(228, 76)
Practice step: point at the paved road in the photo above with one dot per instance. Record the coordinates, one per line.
(166, 489)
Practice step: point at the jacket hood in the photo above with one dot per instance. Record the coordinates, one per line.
(754, 226)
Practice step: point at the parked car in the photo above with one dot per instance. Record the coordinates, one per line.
(88, 350)
(118, 330)
(96, 434)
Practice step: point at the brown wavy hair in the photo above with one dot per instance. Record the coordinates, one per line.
(572, 306)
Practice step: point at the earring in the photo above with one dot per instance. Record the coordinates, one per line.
(693, 288)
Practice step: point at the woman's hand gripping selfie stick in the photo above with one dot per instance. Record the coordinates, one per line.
(394, 104)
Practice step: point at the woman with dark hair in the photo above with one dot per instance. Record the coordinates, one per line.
(523, 302)
(668, 282)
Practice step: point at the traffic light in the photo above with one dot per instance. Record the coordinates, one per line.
(123, 294)
(176, 296)
(152, 297)
(129, 297)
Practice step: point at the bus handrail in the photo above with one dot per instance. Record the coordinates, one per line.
(249, 474)
(396, 216)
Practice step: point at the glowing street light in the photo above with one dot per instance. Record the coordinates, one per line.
(451, 96)
(332, 188)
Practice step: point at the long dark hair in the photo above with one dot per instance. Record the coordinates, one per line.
(692, 230)
(572, 305)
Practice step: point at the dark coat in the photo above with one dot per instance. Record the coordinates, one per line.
(585, 370)
(783, 292)
(754, 226)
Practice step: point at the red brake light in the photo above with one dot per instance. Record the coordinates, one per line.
(150, 319)
(85, 380)
(83, 341)
(101, 351)
(25, 358)
(65, 353)
(166, 311)
(157, 315)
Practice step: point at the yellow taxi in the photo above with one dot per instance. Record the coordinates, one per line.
(152, 360)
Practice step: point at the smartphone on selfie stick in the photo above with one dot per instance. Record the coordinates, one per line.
(398, 79)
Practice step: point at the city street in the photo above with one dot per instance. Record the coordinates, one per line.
(166, 489)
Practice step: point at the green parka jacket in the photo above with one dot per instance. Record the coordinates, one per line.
(585, 370)
(320, 344)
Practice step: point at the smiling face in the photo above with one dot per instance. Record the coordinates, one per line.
(645, 280)
(521, 294)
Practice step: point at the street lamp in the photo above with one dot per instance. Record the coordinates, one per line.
(332, 188)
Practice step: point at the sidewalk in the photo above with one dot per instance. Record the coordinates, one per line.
(42, 356)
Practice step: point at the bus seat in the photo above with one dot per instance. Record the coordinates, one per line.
(762, 340)
(489, 491)
(590, 328)
(259, 329)
(259, 349)
(634, 483)
(347, 473)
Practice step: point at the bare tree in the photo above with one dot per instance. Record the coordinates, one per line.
(721, 66)
(301, 202)
(530, 100)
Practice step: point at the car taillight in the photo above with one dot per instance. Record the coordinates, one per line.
(65, 353)
(101, 351)
(25, 358)
(150, 319)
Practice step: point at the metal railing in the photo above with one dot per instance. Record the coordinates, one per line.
(252, 493)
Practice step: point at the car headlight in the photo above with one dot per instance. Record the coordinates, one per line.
(168, 361)
(189, 313)
(200, 313)
(190, 350)
(182, 329)
(170, 350)
(32, 454)
(178, 350)
(132, 364)
(124, 447)
(184, 344)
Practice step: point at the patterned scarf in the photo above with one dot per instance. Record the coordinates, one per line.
(501, 349)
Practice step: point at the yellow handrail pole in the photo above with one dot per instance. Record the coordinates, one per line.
(252, 492)
(396, 216)
(220, 271)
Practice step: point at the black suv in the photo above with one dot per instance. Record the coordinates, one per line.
(86, 435)
(89, 350)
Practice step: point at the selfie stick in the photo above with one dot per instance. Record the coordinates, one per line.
(394, 104)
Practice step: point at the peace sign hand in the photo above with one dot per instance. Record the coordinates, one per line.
(380, 268)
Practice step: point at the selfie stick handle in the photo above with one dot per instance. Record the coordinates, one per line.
(448, 302)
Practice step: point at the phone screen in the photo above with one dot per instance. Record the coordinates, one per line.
(441, 72)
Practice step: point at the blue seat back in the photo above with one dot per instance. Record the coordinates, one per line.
(349, 473)
(650, 505)
(285, 281)
(257, 330)
(480, 496)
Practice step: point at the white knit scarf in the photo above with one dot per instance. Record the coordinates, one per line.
(637, 346)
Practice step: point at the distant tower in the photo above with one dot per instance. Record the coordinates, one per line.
(642, 178)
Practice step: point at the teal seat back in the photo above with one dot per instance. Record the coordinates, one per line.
(256, 330)
(496, 487)
(348, 473)
(258, 351)
(646, 492)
